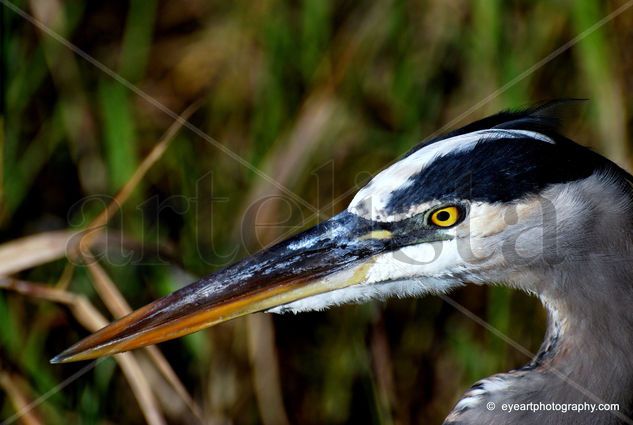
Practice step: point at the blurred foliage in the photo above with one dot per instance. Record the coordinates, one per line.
(303, 101)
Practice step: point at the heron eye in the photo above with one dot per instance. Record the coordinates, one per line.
(445, 217)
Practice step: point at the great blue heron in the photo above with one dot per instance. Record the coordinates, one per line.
(505, 200)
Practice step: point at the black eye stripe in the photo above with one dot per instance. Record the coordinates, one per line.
(499, 170)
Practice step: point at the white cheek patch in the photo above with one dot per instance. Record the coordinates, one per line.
(371, 201)
(363, 293)
(428, 259)
(410, 271)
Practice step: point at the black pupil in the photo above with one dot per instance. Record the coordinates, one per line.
(443, 216)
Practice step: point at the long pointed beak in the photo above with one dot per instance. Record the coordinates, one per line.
(332, 255)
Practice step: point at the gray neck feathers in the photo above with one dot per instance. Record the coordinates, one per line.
(587, 354)
(586, 357)
(589, 298)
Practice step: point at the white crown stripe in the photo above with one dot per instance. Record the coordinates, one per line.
(370, 201)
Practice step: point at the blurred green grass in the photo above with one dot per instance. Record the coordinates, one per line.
(318, 95)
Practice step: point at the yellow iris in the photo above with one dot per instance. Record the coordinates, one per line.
(445, 217)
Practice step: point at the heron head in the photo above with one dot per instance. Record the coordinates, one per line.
(496, 201)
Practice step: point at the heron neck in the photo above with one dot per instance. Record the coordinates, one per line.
(587, 354)
(586, 358)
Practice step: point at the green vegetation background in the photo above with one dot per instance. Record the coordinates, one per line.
(316, 96)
